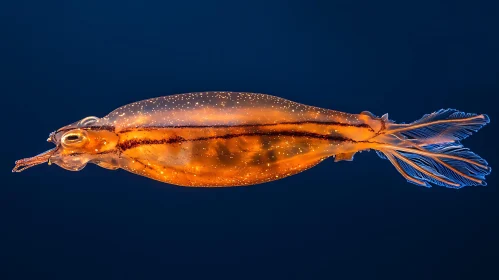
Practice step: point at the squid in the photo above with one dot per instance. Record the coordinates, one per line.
(225, 139)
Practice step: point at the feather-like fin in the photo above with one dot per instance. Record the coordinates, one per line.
(429, 150)
(445, 125)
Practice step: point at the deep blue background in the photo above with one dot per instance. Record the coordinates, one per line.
(63, 60)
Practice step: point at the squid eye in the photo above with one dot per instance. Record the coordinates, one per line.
(72, 138)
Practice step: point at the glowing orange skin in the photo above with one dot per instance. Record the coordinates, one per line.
(211, 139)
(230, 139)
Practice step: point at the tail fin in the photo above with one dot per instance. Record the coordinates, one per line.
(428, 150)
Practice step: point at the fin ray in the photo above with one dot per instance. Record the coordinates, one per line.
(445, 125)
(429, 150)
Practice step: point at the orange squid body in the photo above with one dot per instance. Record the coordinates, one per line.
(229, 138)
(222, 139)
